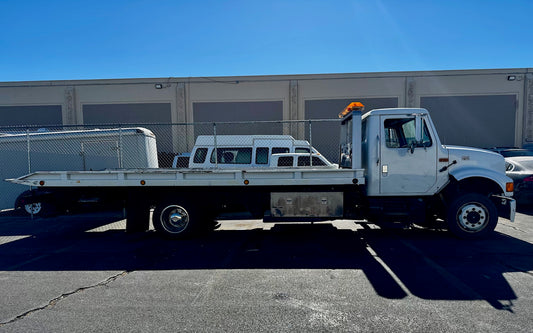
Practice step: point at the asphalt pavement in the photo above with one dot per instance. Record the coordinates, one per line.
(84, 273)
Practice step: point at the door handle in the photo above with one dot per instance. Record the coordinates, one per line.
(385, 169)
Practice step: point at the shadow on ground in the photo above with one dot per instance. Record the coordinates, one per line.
(526, 209)
(428, 264)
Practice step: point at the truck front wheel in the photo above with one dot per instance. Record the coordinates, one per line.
(471, 216)
(175, 220)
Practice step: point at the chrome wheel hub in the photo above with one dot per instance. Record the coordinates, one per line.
(33, 208)
(174, 219)
(472, 217)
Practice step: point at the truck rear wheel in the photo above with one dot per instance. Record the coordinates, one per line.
(32, 203)
(471, 216)
(175, 220)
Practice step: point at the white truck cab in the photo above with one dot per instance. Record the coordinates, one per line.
(243, 151)
(403, 155)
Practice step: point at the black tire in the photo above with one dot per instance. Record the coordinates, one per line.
(40, 208)
(176, 220)
(472, 216)
(45, 209)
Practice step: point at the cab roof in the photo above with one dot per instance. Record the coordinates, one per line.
(395, 111)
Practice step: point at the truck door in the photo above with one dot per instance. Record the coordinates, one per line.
(407, 165)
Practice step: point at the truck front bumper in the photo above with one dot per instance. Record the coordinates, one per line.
(507, 207)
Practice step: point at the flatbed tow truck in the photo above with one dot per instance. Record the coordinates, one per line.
(392, 168)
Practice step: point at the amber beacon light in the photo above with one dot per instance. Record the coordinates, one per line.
(354, 106)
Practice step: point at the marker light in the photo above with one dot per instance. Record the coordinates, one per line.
(354, 106)
(509, 187)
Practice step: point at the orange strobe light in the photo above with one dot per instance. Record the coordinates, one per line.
(354, 106)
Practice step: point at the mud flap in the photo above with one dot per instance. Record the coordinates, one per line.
(506, 207)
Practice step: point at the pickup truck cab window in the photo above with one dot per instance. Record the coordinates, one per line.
(285, 161)
(304, 161)
(401, 133)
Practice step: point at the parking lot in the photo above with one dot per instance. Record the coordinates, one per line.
(84, 273)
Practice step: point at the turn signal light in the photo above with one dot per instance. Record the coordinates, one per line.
(509, 187)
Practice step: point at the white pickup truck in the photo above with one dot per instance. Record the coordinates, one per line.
(393, 168)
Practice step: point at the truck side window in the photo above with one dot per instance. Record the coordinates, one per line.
(232, 156)
(426, 139)
(302, 150)
(408, 130)
(285, 161)
(261, 155)
(304, 161)
(400, 133)
(244, 156)
(200, 155)
(280, 150)
(318, 162)
(392, 138)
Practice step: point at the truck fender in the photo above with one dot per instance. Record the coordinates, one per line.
(471, 172)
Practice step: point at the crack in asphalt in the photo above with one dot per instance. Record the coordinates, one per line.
(513, 227)
(59, 298)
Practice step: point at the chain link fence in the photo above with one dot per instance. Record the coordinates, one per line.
(108, 146)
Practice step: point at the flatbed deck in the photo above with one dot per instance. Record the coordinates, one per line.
(193, 177)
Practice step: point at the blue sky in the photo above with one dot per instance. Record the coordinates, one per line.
(63, 40)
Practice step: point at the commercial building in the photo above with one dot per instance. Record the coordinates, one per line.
(482, 108)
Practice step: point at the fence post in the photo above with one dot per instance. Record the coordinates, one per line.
(310, 144)
(215, 143)
(28, 149)
(120, 164)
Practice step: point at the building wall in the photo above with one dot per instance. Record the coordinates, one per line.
(476, 107)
